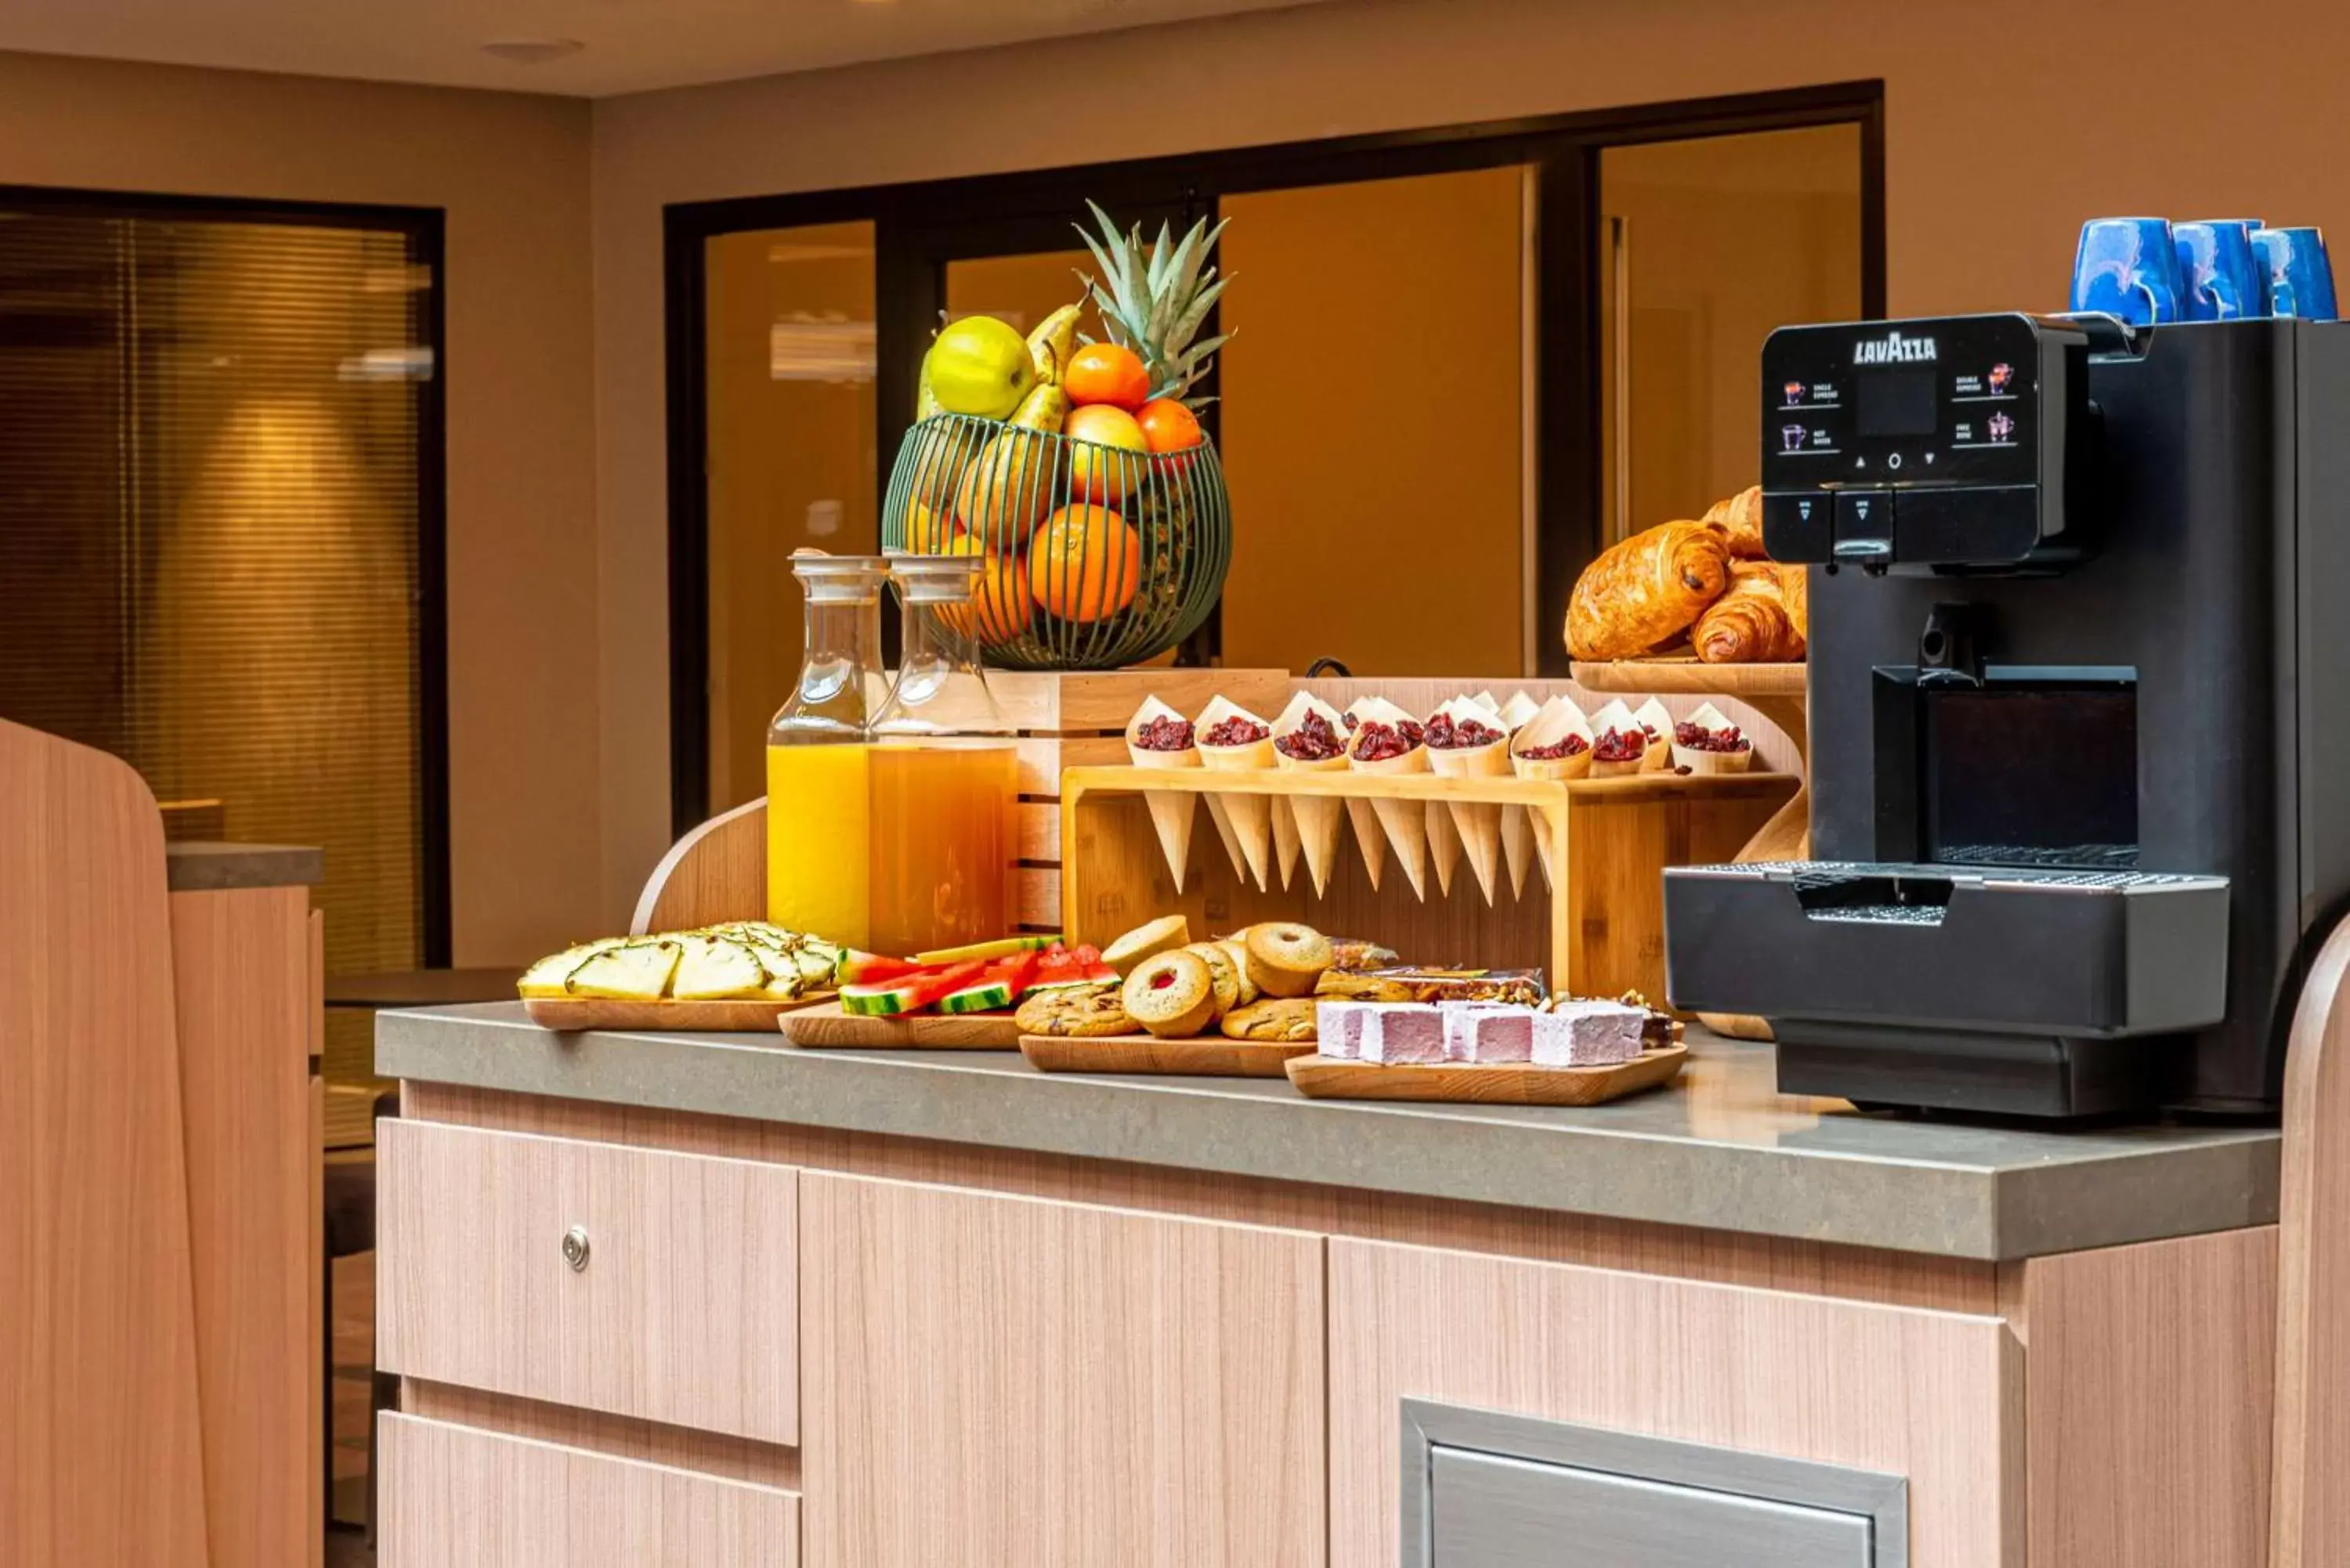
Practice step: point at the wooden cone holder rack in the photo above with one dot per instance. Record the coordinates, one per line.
(1611, 840)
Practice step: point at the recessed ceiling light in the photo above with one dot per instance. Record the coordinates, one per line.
(532, 51)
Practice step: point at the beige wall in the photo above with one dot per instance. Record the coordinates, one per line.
(2008, 122)
(512, 173)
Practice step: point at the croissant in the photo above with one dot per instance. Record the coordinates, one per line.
(1739, 521)
(1795, 587)
(1753, 623)
(1645, 590)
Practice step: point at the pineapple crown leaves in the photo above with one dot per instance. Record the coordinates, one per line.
(1154, 299)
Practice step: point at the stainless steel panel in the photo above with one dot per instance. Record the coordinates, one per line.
(1490, 1512)
(1484, 1489)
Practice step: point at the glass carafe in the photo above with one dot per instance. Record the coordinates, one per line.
(819, 837)
(945, 774)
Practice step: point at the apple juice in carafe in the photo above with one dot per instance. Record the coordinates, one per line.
(819, 781)
(945, 775)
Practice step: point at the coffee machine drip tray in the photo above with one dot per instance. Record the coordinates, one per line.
(2004, 988)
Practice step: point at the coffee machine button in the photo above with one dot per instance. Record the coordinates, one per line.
(1864, 515)
(1800, 526)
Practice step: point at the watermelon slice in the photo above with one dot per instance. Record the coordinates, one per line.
(1080, 965)
(859, 968)
(910, 993)
(999, 985)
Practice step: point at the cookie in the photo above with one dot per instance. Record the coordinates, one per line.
(1223, 973)
(1171, 996)
(1285, 959)
(1288, 1018)
(1075, 1009)
(1238, 949)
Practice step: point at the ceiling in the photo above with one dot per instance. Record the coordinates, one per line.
(632, 45)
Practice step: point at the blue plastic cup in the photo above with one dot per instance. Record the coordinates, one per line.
(2220, 279)
(2127, 267)
(2300, 278)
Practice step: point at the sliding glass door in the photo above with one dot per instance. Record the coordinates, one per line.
(1463, 361)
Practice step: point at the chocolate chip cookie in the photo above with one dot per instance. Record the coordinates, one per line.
(1075, 1009)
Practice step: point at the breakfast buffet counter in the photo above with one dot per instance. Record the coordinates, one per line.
(1719, 1150)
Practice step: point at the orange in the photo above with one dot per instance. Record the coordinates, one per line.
(1105, 373)
(1167, 425)
(1095, 473)
(1084, 564)
(929, 532)
(1000, 603)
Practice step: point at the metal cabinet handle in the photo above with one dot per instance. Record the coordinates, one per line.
(575, 1248)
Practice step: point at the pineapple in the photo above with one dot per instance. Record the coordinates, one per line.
(1155, 299)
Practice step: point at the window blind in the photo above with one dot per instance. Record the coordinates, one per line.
(211, 449)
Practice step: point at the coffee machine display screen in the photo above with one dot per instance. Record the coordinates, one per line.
(1895, 403)
(2030, 773)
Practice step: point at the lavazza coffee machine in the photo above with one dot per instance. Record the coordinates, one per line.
(2080, 713)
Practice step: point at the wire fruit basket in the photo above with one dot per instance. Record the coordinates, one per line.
(1096, 556)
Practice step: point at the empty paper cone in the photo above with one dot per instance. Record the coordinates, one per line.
(1285, 840)
(1251, 819)
(1219, 812)
(1517, 846)
(1369, 838)
(1172, 813)
(1316, 819)
(1542, 850)
(1443, 843)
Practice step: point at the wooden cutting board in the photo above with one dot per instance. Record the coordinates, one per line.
(826, 1027)
(570, 1015)
(1484, 1083)
(1212, 1056)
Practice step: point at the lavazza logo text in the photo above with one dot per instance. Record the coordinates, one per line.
(1892, 349)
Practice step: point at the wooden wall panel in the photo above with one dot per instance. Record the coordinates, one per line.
(101, 1457)
(995, 1381)
(1936, 1397)
(685, 1313)
(456, 1498)
(2150, 1402)
(1860, 1273)
(247, 1012)
(622, 1437)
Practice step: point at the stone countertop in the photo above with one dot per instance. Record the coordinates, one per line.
(1720, 1148)
(196, 867)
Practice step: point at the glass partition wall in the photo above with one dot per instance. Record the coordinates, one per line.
(1463, 360)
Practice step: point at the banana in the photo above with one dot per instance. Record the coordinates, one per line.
(926, 401)
(1050, 344)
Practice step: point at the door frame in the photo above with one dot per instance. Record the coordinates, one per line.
(918, 223)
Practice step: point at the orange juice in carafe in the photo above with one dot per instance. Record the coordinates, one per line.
(941, 843)
(945, 776)
(819, 783)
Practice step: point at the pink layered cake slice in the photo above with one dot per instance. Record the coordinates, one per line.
(1586, 1035)
(1487, 1031)
(1397, 1032)
(1338, 1028)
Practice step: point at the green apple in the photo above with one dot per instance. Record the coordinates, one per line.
(980, 366)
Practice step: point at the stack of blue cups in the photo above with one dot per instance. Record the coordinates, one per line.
(2150, 270)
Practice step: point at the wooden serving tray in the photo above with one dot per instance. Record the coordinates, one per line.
(1207, 1055)
(571, 1014)
(827, 1027)
(1685, 676)
(1484, 1083)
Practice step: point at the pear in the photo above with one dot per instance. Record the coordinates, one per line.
(1008, 491)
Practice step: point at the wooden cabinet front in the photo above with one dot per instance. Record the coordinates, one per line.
(627, 1281)
(1934, 1397)
(455, 1497)
(995, 1380)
